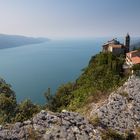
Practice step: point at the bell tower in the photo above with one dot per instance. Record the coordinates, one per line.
(127, 43)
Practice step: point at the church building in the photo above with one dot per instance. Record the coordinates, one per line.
(116, 47)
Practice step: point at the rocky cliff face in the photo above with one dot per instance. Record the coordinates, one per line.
(121, 111)
(51, 126)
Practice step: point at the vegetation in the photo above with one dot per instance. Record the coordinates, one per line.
(110, 134)
(95, 120)
(25, 110)
(10, 111)
(7, 102)
(103, 74)
(137, 130)
(136, 67)
(33, 134)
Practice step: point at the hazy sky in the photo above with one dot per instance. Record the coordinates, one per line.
(70, 18)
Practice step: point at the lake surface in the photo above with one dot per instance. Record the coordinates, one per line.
(31, 69)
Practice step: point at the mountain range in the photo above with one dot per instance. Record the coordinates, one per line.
(10, 41)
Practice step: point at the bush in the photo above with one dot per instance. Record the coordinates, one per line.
(62, 97)
(26, 110)
(112, 135)
(7, 103)
(136, 67)
(10, 111)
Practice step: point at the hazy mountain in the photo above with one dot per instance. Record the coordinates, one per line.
(10, 41)
(136, 43)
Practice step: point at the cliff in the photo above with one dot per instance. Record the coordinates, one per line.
(106, 101)
(51, 126)
(121, 111)
(118, 118)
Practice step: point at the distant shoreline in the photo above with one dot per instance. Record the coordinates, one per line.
(12, 41)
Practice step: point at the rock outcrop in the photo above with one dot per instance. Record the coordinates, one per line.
(51, 126)
(121, 111)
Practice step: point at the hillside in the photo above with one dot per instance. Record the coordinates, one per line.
(103, 74)
(102, 104)
(115, 118)
(120, 111)
(10, 41)
(10, 110)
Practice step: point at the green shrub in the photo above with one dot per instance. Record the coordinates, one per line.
(10, 111)
(136, 67)
(7, 103)
(62, 97)
(26, 110)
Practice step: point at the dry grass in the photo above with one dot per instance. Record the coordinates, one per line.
(33, 134)
(137, 130)
(97, 97)
(94, 120)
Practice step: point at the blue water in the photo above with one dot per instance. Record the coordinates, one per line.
(31, 69)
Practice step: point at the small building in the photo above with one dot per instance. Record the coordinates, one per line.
(133, 58)
(116, 47)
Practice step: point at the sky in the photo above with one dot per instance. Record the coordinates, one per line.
(70, 18)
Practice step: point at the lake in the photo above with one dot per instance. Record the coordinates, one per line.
(31, 69)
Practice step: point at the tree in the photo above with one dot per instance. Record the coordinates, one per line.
(7, 108)
(26, 110)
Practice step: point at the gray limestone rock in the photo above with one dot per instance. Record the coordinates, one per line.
(45, 126)
(121, 111)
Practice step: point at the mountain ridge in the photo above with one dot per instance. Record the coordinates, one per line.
(11, 41)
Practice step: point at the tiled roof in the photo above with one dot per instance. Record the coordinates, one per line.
(135, 60)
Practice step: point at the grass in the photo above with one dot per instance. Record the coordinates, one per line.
(94, 120)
